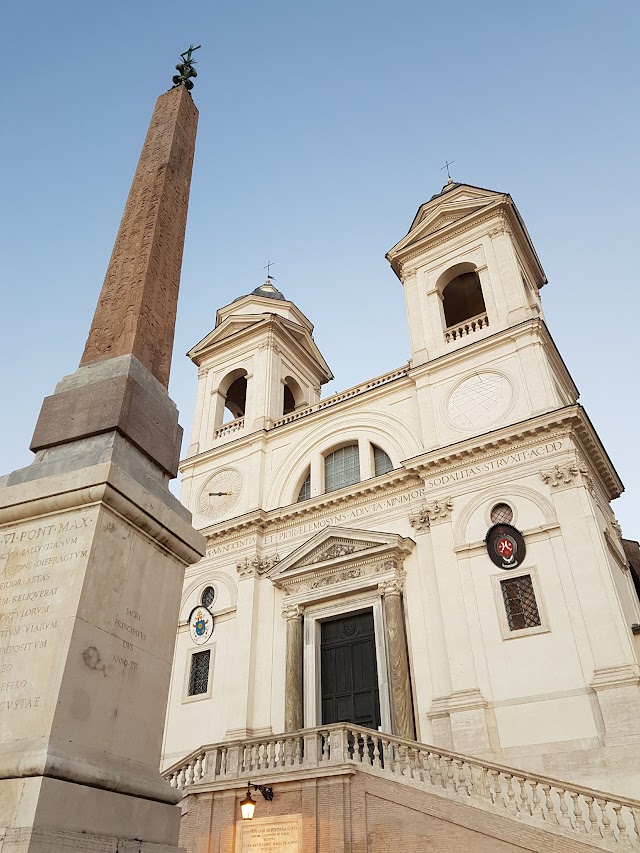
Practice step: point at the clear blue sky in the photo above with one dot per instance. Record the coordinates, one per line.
(322, 128)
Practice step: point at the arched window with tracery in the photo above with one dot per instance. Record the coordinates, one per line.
(305, 489)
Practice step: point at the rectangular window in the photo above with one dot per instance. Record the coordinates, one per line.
(520, 603)
(199, 673)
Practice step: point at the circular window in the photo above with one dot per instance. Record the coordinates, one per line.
(207, 597)
(500, 514)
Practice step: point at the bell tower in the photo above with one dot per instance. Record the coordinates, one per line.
(258, 365)
(472, 282)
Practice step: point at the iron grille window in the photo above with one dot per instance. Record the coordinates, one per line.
(199, 674)
(305, 491)
(502, 514)
(520, 603)
(381, 461)
(341, 468)
(208, 596)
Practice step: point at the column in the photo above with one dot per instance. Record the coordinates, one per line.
(293, 713)
(401, 699)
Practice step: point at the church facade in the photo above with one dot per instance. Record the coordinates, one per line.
(431, 554)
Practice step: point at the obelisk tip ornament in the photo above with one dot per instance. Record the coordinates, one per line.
(185, 69)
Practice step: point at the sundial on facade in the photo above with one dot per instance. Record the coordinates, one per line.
(479, 400)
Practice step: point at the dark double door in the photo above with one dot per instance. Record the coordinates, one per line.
(349, 672)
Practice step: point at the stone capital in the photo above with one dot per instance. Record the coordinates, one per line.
(565, 476)
(394, 586)
(433, 512)
(256, 566)
(292, 611)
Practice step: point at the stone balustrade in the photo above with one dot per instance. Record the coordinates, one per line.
(606, 821)
(228, 429)
(468, 327)
(343, 395)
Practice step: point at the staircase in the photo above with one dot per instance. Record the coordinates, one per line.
(595, 819)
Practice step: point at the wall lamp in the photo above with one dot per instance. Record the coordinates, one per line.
(248, 805)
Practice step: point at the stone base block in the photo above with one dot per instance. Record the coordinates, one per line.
(44, 814)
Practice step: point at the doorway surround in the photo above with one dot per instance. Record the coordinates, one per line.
(343, 570)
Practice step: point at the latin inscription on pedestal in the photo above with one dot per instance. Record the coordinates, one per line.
(39, 564)
(270, 835)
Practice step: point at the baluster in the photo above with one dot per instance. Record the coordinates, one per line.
(432, 767)
(377, 753)
(181, 778)
(523, 805)
(591, 824)
(606, 831)
(536, 808)
(268, 755)
(455, 774)
(492, 786)
(387, 759)
(451, 785)
(325, 745)
(422, 763)
(623, 835)
(511, 794)
(197, 769)
(577, 813)
(565, 820)
(552, 816)
(467, 779)
(223, 763)
(298, 750)
(174, 780)
(406, 760)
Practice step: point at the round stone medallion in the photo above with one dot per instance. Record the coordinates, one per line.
(479, 400)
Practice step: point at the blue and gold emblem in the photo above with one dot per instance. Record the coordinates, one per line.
(200, 624)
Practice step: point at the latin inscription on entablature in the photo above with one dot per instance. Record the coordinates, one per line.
(348, 515)
(498, 463)
(218, 550)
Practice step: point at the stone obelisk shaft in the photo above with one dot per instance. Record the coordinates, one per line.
(136, 311)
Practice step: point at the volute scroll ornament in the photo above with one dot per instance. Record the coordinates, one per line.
(393, 586)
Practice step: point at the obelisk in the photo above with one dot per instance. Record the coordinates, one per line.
(93, 547)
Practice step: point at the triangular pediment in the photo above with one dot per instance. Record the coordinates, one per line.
(446, 209)
(339, 545)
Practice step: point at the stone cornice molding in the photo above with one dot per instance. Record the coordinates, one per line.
(570, 421)
(397, 482)
(364, 574)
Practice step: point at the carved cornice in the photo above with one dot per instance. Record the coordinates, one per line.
(364, 573)
(430, 513)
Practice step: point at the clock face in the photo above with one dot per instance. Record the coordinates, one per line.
(220, 493)
(479, 400)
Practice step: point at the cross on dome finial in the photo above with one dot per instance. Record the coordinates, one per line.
(446, 166)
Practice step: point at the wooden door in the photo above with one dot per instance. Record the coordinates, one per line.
(349, 672)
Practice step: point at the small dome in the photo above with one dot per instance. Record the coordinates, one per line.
(269, 290)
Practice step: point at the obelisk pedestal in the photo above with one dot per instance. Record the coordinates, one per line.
(93, 548)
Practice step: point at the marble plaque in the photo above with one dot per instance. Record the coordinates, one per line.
(270, 835)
